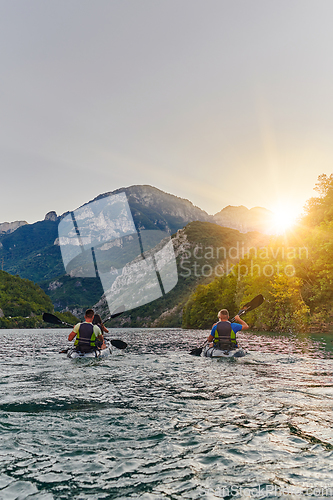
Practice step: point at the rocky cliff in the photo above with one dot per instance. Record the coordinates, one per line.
(51, 216)
(153, 208)
(9, 227)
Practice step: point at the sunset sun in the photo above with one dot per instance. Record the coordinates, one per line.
(283, 219)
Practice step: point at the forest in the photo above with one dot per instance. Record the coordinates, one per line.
(22, 303)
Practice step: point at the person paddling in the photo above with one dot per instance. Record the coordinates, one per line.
(98, 321)
(223, 334)
(88, 336)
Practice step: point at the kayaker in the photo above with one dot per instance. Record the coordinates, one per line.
(223, 334)
(87, 335)
(98, 321)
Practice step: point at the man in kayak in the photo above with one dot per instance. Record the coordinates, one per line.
(223, 334)
(88, 336)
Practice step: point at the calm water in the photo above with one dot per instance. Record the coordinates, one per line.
(153, 422)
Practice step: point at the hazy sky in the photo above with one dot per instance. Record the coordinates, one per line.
(223, 102)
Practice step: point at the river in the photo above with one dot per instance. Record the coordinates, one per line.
(152, 422)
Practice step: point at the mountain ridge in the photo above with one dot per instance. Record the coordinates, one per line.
(226, 217)
(32, 251)
(10, 227)
(245, 219)
(180, 210)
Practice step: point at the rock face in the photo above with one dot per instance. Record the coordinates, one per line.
(10, 227)
(245, 220)
(51, 216)
(152, 208)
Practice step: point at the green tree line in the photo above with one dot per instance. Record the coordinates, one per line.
(22, 303)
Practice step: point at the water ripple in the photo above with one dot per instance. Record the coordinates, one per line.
(153, 422)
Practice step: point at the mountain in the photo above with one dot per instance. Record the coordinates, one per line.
(33, 252)
(154, 209)
(245, 220)
(9, 227)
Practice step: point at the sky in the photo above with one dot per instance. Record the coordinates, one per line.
(222, 102)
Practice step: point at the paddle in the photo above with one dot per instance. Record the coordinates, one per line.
(119, 344)
(253, 304)
(118, 312)
(51, 318)
(198, 350)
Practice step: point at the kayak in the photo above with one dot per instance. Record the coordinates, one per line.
(99, 353)
(212, 352)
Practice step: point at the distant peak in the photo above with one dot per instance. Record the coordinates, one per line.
(150, 195)
(51, 216)
(246, 220)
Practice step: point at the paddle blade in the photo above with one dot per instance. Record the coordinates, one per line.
(196, 352)
(50, 318)
(117, 313)
(119, 344)
(254, 303)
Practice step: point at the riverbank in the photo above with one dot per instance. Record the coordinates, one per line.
(35, 321)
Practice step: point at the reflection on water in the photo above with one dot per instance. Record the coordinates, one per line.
(153, 422)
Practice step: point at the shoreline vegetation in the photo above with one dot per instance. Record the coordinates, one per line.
(22, 304)
(20, 322)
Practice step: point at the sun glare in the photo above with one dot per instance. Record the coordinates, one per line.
(284, 218)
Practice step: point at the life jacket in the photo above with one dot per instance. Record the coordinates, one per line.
(85, 338)
(224, 336)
